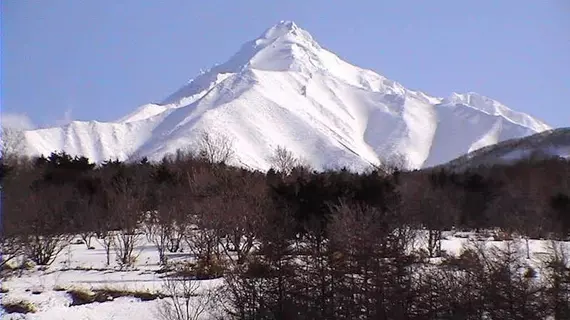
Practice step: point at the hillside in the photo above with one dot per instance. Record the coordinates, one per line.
(549, 144)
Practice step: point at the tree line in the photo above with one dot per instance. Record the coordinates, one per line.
(295, 243)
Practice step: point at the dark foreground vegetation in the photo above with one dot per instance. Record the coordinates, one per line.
(292, 243)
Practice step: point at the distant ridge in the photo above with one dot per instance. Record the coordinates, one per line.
(545, 145)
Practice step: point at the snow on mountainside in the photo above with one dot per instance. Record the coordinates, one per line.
(284, 89)
(548, 144)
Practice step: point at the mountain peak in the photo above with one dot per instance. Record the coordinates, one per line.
(282, 47)
(280, 29)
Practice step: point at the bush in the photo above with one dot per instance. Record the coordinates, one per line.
(203, 269)
(116, 293)
(59, 288)
(20, 306)
(80, 297)
(211, 269)
(257, 268)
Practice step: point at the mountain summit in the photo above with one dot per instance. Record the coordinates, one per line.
(284, 89)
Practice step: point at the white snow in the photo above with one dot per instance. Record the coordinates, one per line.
(79, 268)
(546, 144)
(283, 88)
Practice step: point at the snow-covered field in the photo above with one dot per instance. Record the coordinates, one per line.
(79, 268)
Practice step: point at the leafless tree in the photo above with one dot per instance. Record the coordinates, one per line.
(185, 299)
(45, 215)
(149, 224)
(11, 248)
(105, 237)
(203, 239)
(395, 162)
(44, 249)
(370, 266)
(86, 219)
(556, 267)
(170, 227)
(14, 198)
(160, 240)
(13, 143)
(430, 208)
(125, 243)
(215, 148)
(126, 208)
(283, 160)
(202, 220)
(239, 204)
(178, 218)
(437, 210)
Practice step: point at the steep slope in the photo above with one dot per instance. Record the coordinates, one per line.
(284, 89)
(98, 141)
(548, 144)
(467, 122)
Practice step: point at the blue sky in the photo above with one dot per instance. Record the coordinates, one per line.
(99, 60)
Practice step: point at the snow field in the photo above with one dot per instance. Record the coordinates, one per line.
(79, 268)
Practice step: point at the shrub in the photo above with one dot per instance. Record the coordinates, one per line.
(80, 297)
(20, 306)
(117, 293)
(59, 288)
(205, 269)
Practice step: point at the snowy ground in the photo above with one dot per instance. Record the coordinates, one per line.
(78, 267)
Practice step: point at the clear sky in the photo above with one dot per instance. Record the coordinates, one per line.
(100, 59)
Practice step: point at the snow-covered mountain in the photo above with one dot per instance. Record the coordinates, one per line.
(284, 89)
(544, 145)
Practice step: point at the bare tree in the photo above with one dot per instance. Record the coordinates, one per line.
(14, 201)
(85, 218)
(557, 276)
(126, 208)
(11, 248)
(430, 207)
(44, 249)
(437, 210)
(216, 148)
(185, 300)
(125, 243)
(170, 228)
(395, 162)
(237, 204)
(159, 238)
(106, 239)
(12, 142)
(203, 221)
(45, 215)
(203, 240)
(284, 160)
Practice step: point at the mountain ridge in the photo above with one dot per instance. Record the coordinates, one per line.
(284, 89)
(553, 143)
